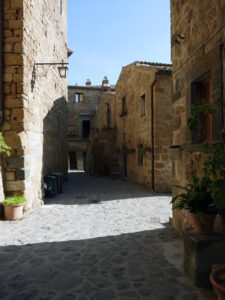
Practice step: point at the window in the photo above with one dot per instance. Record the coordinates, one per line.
(60, 6)
(86, 124)
(142, 105)
(140, 155)
(204, 130)
(79, 97)
(124, 107)
(108, 116)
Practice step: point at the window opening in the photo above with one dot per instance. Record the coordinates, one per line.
(204, 129)
(142, 105)
(140, 155)
(124, 105)
(108, 116)
(79, 97)
(86, 124)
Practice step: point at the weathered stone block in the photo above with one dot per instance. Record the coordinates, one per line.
(13, 59)
(15, 24)
(176, 121)
(16, 3)
(22, 174)
(17, 119)
(200, 253)
(15, 162)
(13, 139)
(9, 176)
(175, 154)
(15, 103)
(14, 186)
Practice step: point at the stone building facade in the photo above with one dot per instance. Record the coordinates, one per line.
(101, 147)
(83, 102)
(35, 109)
(198, 36)
(143, 124)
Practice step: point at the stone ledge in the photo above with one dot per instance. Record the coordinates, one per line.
(200, 253)
(14, 186)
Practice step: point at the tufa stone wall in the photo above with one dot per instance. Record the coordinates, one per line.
(83, 103)
(105, 114)
(86, 107)
(35, 119)
(134, 113)
(198, 35)
(101, 147)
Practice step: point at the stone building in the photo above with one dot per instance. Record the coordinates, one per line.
(33, 97)
(101, 147)
(83, 102)
(198, 36)
(143, 124)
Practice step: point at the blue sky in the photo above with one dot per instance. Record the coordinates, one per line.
(108, 34)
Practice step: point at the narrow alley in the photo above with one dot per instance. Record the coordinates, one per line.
(101, 239)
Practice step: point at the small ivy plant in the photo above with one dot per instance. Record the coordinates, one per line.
(144, 149)
(4, 148)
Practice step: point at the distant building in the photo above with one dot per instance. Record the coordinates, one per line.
(133, 128)
(143, 122)
(83, 102)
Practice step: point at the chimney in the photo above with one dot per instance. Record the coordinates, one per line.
(88, 82)
(105, 82)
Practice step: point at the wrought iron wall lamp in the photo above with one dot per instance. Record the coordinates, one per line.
(39, 70)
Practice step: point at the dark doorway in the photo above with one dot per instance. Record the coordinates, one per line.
(86, 128)
(73, 160)
(124, 164)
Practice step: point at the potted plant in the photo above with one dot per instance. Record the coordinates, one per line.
(217, 278)
(13, 207)
(197, 199)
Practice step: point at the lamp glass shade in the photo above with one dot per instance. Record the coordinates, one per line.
(63, 71)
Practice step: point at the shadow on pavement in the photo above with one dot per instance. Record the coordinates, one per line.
(85, 189)
(128, 266)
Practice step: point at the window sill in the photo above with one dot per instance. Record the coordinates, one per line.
(195, 147)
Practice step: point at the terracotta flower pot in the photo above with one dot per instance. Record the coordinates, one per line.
(207, 226)
(217, 278)
(13, 212)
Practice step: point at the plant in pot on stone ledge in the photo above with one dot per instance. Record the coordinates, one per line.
(198, 201)
(13, 207)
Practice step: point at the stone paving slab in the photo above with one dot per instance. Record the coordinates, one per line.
(119, 247)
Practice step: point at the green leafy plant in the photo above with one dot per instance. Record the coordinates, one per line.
(14, 200)
(144, 149)
(130, 150)
(196, 198)
(3, 147)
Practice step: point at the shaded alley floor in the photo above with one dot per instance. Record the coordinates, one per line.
(99, 240)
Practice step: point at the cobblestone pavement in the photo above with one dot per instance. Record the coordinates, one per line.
(99, 240)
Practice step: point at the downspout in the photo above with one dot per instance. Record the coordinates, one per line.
(152, 134)
(221, 80)
(1, 60)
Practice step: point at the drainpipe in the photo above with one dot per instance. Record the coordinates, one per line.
(221, 79)
(152, 134)
(1, 60)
